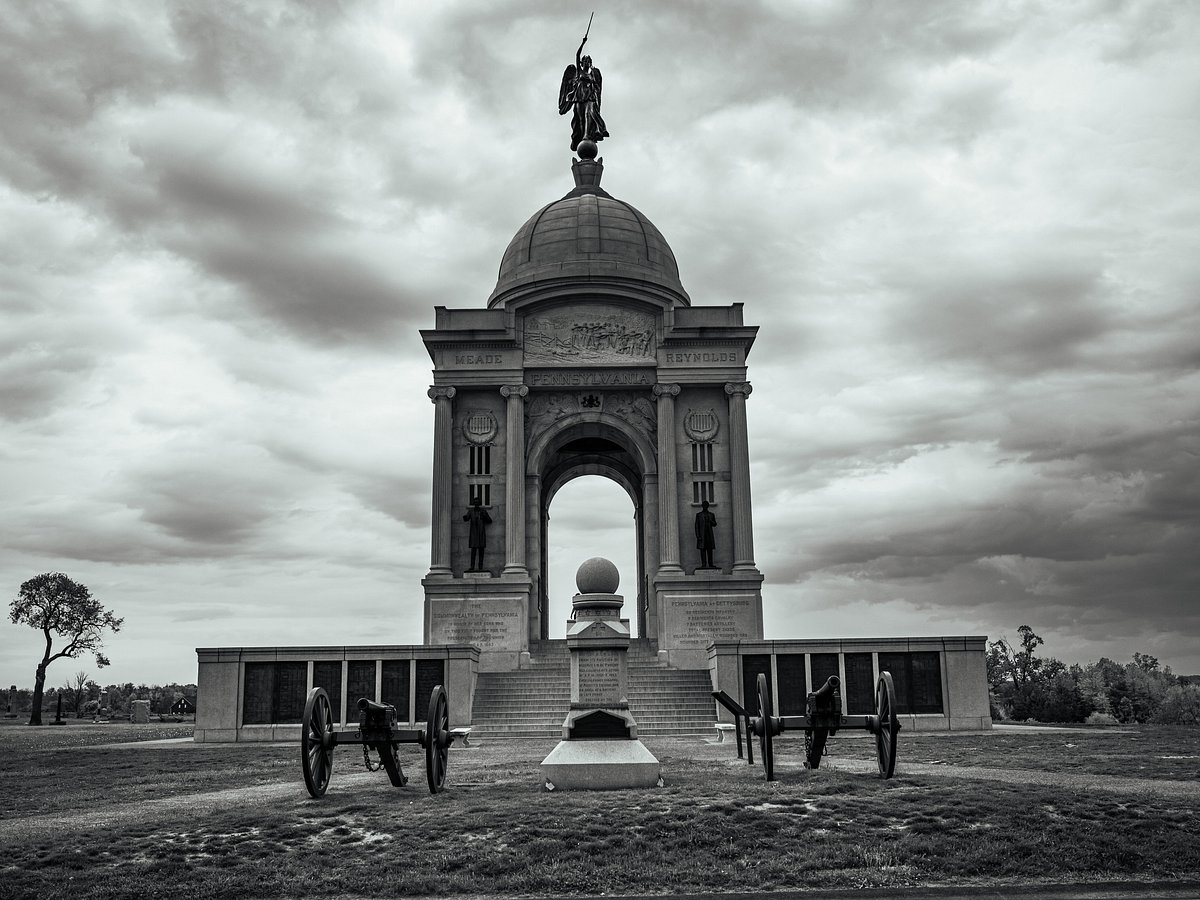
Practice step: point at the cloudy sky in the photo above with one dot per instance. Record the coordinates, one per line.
(968, 229)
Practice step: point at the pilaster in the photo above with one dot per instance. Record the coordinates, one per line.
(739, 477)
(443, 479)
(514, 485)
(668, 485)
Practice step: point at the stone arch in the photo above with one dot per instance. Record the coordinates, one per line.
(591, 443)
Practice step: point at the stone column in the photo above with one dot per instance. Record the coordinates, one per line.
(514, 481)
(739, 477)
(443, 478)
(668, 486)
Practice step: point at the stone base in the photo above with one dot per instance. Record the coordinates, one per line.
(600, 766)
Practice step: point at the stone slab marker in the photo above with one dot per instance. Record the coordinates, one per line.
(140, 714)
(600, 747)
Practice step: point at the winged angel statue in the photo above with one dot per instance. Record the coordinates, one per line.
(580, 91)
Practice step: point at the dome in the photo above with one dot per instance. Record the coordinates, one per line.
(588, 235)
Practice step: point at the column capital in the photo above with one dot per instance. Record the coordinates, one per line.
(440, 391)
(514, 390)
(738, 387)
(666, 390)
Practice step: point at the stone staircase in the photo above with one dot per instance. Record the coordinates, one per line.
(533, 702)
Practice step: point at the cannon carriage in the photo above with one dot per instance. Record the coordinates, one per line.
(376, 732)
(821, 721)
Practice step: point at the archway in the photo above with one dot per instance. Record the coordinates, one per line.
(589, 516)
(591, 443)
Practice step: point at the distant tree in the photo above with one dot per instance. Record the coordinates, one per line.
(1145, 662)
(1180, 706)
(61, 607)
(76, 685)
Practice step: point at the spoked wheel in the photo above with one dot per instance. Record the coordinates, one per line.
(814, 746)
(889, 725)
(766, 738)
(437, 740)
(316, 742)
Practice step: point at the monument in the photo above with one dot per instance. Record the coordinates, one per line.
(12, 703)
(589, 358)
(600, 747)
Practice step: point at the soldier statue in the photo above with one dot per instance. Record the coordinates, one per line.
(705, 539)
(477, 538)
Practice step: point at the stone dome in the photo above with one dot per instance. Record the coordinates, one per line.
(588, 235)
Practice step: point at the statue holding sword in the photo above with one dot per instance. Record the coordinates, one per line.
(580, 92)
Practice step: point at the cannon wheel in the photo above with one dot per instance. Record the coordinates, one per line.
(889, 725)
(316, 742)
(816, 747)
(766, 739)
(437, 740)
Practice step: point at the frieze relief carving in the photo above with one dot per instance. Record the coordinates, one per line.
(589, 334)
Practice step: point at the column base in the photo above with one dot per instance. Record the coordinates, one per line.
(519, 571)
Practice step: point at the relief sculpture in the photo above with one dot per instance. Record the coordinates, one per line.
(636, 409)
(589, 335)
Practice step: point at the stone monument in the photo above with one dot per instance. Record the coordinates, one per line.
(600, 747)
(12, 703)
(139, 713)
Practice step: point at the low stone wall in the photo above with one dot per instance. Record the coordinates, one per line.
(258, 693)
(941, 682)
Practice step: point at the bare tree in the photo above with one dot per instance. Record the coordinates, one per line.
(59, 606)
(77, 685)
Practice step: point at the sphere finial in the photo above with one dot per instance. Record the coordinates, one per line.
(597, 576)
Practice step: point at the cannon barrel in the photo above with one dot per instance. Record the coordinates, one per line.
(825, 693)
(364, 705)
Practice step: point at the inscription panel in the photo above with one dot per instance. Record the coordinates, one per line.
(490, 623)
(589, 377)
(599, 676)
(696, 620)
(698, 358)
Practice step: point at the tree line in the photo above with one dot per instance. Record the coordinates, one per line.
(81, 696)
(1026, 686)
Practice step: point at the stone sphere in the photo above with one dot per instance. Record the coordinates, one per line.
(597, 576)
(587, 149)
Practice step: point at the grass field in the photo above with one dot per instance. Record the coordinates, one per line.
(83, 819)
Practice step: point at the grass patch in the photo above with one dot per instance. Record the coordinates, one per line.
(716, 825)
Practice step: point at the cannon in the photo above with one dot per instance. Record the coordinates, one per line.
(376, 732)
(821, 720)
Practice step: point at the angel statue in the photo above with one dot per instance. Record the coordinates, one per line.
(580, 91)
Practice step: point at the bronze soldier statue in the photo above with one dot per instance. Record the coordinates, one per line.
(477, 539)
(705, 539)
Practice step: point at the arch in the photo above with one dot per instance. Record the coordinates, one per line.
(588, 506)
(591, 443)
(591, 424)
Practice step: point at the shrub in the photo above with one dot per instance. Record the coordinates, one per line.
(1100, 718)
(1180, 706)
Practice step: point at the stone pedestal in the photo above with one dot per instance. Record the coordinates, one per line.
(600, 748)
(696, 610)
(479, 609)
